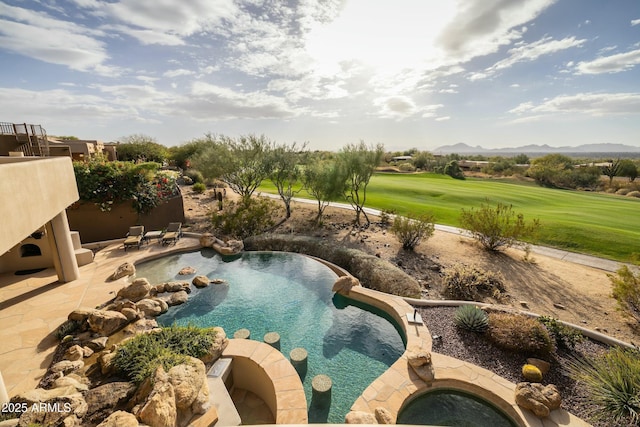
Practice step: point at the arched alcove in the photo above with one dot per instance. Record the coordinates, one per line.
(30, 249)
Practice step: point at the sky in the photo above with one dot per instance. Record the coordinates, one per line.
(404, 73)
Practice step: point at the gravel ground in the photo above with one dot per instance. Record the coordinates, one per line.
(473, 348)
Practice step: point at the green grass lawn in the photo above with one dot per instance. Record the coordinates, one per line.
(591, 223)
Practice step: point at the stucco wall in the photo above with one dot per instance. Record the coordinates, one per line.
(33, 191)
(95, 225)
(14, 261)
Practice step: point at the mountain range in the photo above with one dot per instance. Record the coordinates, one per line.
(462, 148)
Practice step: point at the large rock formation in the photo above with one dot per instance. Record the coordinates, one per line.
(159, 409)
(360, 417)
(538, 398)
(420, 361)
(106, 322)
(125, 269)
(136, 291)
(343, 284)
(120, 419)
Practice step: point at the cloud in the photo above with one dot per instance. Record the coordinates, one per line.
(38, 35)
(635, 22)
(178, 72)
(591, 104)
(532, 51)
(610, 64)
(481, 27)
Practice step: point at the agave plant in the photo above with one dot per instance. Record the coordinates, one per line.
(472, 318)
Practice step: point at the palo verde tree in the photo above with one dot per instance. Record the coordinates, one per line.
(139, 147)
(242, 163)
(358, 162)
(628, 169)
(323, 181)
(285, 172)
(497, 227)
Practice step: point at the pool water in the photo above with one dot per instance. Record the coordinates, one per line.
(290, 294)
(452, 408)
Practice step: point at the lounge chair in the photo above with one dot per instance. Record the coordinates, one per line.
(173, 233)
(134, 237)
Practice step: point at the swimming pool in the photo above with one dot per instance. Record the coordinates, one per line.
(452, 408)
(290, 294)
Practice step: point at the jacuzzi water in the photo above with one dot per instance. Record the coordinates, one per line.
(290, 294)
(452, 408)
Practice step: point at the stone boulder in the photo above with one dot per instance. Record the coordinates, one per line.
(360, 417)
(220, 342)
(383, 416)
(136, 291)
(177, 287)
(543, 365)
(207, 240)
(187, 380)
(185, 271)
(538, 398)
(152, 307)
(66, 367)
(106, 322)
(65, 411)
(159, 409)
(80, 314)
(131, 314)
(201, 281)
(104, 399)
(219, 281)
(97, 344)
(105, 360)
(141, 326)
(343, 284)
(420, 361)
(120, 419)
(236, 246)
(177, 298)
(125, 269)
(73, 353)
(43, 395)
(70, 380)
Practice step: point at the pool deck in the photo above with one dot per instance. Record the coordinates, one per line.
(32, 307)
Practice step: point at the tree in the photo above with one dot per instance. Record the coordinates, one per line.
(628, 169)
(547, 169)
(323, 181)
(182, 155)
(139, 147)
(358, 163)
(242, 163)
(286, 173)
(453, 170)
(498, 227)
(521, 159)
(612, 169)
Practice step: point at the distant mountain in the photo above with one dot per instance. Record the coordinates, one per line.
(462, 148)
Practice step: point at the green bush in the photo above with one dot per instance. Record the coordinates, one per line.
(199, 187)
(139, 357)
(68, 327)
(564, 336)
(411, 230)
(626, 291)
(497, 227)
(453, 170)
(386, 217)
(613, 384)
(471, 318)
(520, 334)
(406, 167)
(471, 283)
(245, 218)
(195, 175)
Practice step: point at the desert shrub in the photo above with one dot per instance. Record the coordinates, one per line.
(453, 170)
(613, 383)
(412, 229)
(623, 191)
(563, 335)
(139, 357)
(520, 334)
(471, 283)
(199, 187)
(195, 175)
(633, 194)
(406, 167)
(626, 291)
(386, 217)
(245, 218)
(471, 318)
(497, 227)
